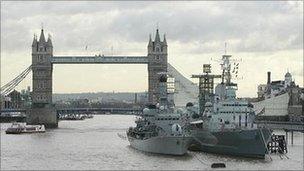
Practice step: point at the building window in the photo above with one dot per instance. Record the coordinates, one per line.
(40, 58)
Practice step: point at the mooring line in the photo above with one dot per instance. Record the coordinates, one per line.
(200, 160)
(265, 143)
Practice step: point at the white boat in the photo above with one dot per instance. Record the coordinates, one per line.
(20, 128)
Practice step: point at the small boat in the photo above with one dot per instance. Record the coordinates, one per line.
(218, 165)
(89, 116)
(20, 128)
(72, 117)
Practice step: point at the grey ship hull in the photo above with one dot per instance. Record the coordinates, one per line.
(172, 145)
(243, 143)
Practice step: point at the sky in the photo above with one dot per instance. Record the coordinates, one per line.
(261, 36)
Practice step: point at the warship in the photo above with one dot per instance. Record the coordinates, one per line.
(161, 129)
(222, 123)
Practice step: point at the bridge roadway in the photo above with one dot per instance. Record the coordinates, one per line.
(99, 59)
(85, 110)
(103, 110)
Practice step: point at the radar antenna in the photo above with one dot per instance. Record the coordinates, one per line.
(226, 67)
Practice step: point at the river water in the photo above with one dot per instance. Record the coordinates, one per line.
(94, 144)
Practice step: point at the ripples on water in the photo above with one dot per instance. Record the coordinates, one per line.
(94, 144)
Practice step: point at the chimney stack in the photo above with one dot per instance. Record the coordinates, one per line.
(268, 77)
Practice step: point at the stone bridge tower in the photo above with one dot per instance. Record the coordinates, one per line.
(42, 110)
(157, 62)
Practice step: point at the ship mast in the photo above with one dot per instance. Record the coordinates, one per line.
(166, 91)
(226, 67)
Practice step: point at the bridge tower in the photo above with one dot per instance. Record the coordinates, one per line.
(42, 110)
(157, 62)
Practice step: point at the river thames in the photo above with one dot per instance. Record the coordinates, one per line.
(94, 144)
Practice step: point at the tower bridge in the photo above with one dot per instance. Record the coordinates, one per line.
(43, 112)
(43, 60)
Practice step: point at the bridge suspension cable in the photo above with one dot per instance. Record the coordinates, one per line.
(7, 88)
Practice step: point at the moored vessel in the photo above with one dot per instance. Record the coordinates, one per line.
(20, 128)
(160, 129)
(227, 123)
(159, 133)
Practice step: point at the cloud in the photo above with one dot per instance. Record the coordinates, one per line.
(193, 29)
(257, 26)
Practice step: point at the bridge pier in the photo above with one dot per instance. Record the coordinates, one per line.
(286, 135)
(291, 137)
(45, 115)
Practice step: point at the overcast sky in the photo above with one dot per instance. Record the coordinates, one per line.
(263, 36)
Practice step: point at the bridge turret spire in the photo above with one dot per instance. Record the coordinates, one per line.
(49, 41)
(157, 38)
(34, 44)
(150, 45)
(150, 40)
(165, 40)
(42, 38)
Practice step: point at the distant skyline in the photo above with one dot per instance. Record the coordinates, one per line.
(264, 36)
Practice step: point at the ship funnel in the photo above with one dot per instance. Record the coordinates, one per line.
(268, 77)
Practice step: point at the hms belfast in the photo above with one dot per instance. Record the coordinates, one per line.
(225, 124)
